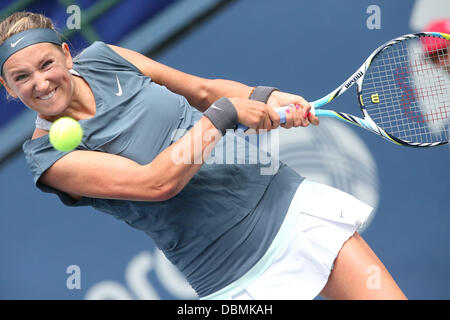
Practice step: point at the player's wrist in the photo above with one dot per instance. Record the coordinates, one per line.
(223, 115)
(262, 93)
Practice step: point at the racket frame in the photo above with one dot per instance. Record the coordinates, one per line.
(357, 78)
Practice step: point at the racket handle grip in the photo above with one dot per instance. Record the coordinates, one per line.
(281, 112)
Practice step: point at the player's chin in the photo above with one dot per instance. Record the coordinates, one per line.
(54, 109)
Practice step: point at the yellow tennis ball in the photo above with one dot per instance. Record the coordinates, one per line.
(65, 134)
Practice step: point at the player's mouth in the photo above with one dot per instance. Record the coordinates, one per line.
(48, 96)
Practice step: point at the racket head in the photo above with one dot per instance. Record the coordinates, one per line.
(405, 89)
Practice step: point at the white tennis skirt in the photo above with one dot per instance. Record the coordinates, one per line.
(299, 261)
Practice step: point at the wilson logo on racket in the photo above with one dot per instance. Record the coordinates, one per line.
(354, 79)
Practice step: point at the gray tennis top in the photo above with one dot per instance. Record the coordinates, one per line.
(223, 220)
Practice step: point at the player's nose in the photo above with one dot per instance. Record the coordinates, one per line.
(41, 83)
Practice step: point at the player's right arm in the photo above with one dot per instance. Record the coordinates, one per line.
(102, 175)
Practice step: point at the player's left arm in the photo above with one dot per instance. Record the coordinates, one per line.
(199, 92)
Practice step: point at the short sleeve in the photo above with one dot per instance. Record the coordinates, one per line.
(99, 56)
(40, 155)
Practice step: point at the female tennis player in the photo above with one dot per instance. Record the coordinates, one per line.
(233, 232)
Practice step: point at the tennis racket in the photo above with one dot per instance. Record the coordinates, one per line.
(403, 90)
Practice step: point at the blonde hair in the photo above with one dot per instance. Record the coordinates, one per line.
(22, 21)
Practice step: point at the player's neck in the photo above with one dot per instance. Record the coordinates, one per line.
(83, 104)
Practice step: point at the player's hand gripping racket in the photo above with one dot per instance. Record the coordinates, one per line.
(403, 91)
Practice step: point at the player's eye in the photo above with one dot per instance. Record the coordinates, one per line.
(47, 64)
(20, 77)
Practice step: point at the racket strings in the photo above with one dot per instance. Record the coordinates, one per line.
(406, 90)
(420, 94)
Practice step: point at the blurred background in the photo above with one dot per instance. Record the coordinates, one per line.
(48, 251)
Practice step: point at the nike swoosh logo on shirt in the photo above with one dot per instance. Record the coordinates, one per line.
(13, 44)
(214, 107)
(119, 93)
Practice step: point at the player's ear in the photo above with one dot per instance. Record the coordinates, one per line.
(8, 89)
(66, 51)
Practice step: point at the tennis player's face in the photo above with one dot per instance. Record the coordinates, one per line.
(39, 76)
